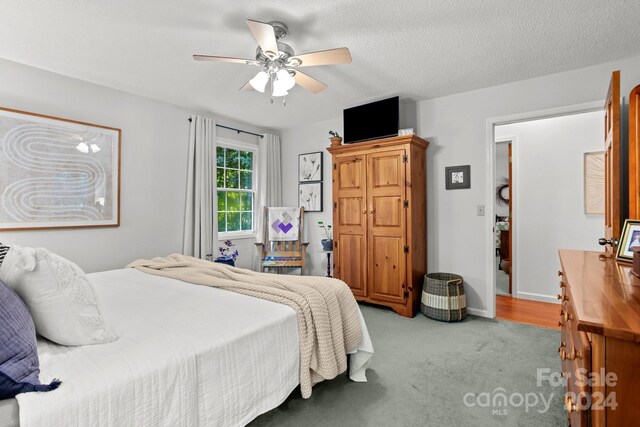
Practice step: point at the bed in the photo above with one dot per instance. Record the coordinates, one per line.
(187, 355)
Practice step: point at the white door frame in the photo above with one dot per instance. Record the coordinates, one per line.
(490, 142)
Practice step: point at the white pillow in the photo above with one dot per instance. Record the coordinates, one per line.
(62, 301)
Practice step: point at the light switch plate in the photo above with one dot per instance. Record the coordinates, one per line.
(480, 210)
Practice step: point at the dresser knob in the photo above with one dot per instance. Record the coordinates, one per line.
(562, 284)
(562, 297)
(560, 323)
(561, 347)
(569, 405)
(573, 355)
(560, 273)
(567, 316)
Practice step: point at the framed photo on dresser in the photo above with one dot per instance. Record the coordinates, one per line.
(630, 239)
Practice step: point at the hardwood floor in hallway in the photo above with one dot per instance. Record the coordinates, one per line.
(535, 313)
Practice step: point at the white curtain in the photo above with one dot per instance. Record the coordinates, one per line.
(201, 219)
(269, 179)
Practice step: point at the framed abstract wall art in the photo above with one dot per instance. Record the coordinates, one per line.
(57, 173)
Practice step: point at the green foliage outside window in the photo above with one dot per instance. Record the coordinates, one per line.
(234, 177)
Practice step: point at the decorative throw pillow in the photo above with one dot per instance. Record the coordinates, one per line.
(61, 299)
(19, 366)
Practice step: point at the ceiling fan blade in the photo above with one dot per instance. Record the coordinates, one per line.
(224, 59)
(265, 36)
(340, 55)
(247, 87)
(309, 83)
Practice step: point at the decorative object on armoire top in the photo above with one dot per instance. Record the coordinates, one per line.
(226, 254)
(407, 131)
(629, 240)
(310, 196)
(336, 139)
(502, 193)
(310, 167)
(379, 221)
(40, 182)
(443, 297)
(457, 177)
(327, 244)
(594, 183)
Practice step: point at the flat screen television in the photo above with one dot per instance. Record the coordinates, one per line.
(378, 119)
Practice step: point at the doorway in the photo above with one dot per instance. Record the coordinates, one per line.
(542, 207)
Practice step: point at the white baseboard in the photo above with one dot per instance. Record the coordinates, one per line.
(537, 297)
(478, 312)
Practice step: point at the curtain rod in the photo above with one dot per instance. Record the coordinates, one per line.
(237, 130)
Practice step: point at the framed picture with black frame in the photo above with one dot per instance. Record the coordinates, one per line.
(310, 196)
(630, 239)
(457, 177)
(310, 167)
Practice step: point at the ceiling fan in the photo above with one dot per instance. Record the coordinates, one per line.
(278, 62)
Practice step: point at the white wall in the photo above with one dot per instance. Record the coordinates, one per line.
(153, 169)
(548, 194)
(456, 128)
(502, 174)
(306, 139)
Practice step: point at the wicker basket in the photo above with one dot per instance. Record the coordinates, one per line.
(443, 297)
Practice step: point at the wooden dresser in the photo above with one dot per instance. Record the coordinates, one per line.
(600, 333)
(379, 217)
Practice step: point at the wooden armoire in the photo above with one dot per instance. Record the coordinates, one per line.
(380, 220)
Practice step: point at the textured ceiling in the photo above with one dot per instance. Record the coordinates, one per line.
(418, 49)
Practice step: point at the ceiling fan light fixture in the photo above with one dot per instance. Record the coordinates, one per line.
(279, 89)
(259, 82)
(285, 79)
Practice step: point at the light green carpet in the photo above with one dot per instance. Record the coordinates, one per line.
(422, 371)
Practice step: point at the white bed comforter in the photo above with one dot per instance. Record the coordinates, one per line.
(187, 356)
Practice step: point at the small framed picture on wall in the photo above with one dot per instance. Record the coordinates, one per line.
(310, 196)
(630, 239)
(457, 177)
(310, 167)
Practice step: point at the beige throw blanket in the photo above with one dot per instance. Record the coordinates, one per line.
(328, 315)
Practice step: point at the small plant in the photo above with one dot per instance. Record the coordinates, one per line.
(334, 134)
(226, 252)
(327, 229)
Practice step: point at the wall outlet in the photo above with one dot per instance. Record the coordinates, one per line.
(480, 210)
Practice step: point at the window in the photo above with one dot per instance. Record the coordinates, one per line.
(236, 189)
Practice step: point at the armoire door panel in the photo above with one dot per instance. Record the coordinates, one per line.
(387, 211)
(350, 173)
(389, 278)
(351, 259)
(386, 225)
(350, 221)
(386, 170)
(350, 211)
